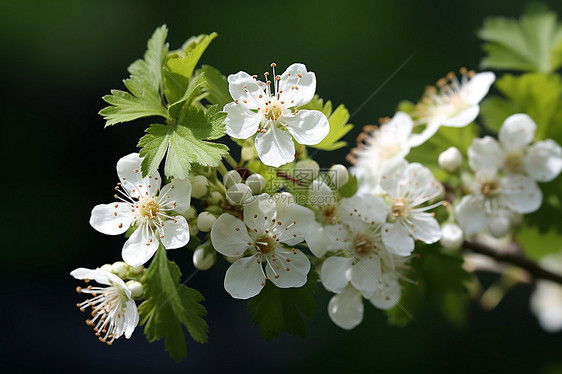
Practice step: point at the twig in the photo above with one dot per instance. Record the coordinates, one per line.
(518, 259)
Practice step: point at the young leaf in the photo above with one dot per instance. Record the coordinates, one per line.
(216, 86)
(531, 44)
(168, 305)
(144, 85)
(274, 307)
(184, 143)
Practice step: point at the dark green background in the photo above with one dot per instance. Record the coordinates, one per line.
(60, 57)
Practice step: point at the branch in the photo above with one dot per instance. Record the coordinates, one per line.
(517, 259)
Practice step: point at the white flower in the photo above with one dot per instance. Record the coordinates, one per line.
(265, 232)
(407, 188)
(492, 198)
(324, 202)
(514, 154)
(546, 300)
(389, 141)
(455, 105)
(114, 311)
(141, 204)
(258, 107)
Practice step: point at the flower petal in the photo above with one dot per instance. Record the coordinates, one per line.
(397, 238)
(517, 131)
(229, 236)
(315, 239)
(244, 278)
(346, 308)
(320, 195)
(387, 294)
(260, 213)
(308, 127)
(275, 147)
(391, 173)
(246, 90)
(365, 274)
(477, 87)
(521, 193)
(298, 86)
(98, 275)
(335, 273)
(365, 207)
(131, 319)
(418, 185)
(543, 162)
(485, 154)
(112, 219)
(471, 214)
(429, 130)
(140, 246)
(130, 176)
(175, 233)
(288, 268)
(241, 123)
(292, 223)
(463, 118)
(425, 227)
(176, 195)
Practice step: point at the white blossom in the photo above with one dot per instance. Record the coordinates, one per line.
(114, 311)
(143, 204)
(546, 300)
(270, 112)
(266, 234)
(455, 104)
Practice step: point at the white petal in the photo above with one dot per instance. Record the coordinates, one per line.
(463, 118)
(140, 246)
(308, 127)
(335, 273)
(292, 223)
(175, 234)
(471, 214)
(176, 195)
(418, 184)
(485, 154)
(112, 219)
(226, 239)
(546, 304)
(287, 269)
(425, 227)
(320, 194)
(241, 123)
(98, 275)
(131, 319)
(246, 90)
(365, 274)
(391, 173)
(260, 213)
(130, 175)
(346, 308)
(337, 238)
(397, 238)
(543, 162)
(522, 194)
(244, 278)
(315, 239)
(275, 147)
(418, 139)
(477, 87)
(517, 131)
(387, 294)
(368, 208)
(297, 90)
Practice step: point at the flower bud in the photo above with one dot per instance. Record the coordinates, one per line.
(199, 186)
(338, 175)
(256, 182)
(450, 160)
(136, 288)
(499, 226)
(452, 236)
(107, 267)
(232, 259)
(204, 258)
(306, 170)
(137, 269)
(231, 178)
(120, 269)
(216, 198)
(283, 198)
(190, 213)
(238, 194)
(193, 230)
(205, 221)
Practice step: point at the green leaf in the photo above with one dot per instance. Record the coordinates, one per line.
(184, 143)
(494, 110)
(216, 86)
(191, 92)
(168, 305)
(276, 309)
(350, 188)
(338, 124)
(181, 64)
(536, 244)
(144, 85)
(439, 279)
(531, 44)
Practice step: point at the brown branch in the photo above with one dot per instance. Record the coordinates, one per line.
(514, 258)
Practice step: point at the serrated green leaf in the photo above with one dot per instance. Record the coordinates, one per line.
(181, 64)
(168, 305)
(184, 143)
(276, 309)
(192, 90)
(144, 85)
(532, 43)
(216, 86)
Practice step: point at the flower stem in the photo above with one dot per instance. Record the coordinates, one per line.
(231, 161)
